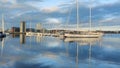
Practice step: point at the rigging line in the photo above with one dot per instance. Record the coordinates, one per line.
(90, 12)
(77, 7)
(68, 18)
(90, 16)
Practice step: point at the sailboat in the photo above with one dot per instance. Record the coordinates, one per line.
(85, 34)
(2, 34)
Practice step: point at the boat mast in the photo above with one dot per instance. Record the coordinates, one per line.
(77, 6)
(2, 23)
(90, 16)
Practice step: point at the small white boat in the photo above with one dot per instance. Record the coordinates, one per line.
(33, 34)
(38, 34)
(29, 34)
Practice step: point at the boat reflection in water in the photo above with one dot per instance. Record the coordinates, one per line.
(1, 39)
(38, 39)
(80, 42)
(56, 53)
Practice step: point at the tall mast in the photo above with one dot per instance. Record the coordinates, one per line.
(2, 23)
(90, 16)
(77, 5)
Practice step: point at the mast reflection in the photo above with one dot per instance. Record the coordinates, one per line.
(38, 38)
(90, 55)
(81, 42)
(67, 49)
(77, 56)
(2, 45)
(1, 39)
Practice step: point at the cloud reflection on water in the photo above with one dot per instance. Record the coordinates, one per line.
(61, 54)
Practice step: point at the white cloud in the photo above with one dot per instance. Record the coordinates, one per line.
(53, 9)
(8, 1)
(110, 18)
(57, 13)
(107, 1)
(107, 19)
(54, 44)
(96, 3)
(50, 9)
(53, 20)
(20, 14)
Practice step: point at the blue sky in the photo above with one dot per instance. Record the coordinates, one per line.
(104, 12)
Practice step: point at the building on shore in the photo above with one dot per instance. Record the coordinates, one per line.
(22, 27)
(39, 28)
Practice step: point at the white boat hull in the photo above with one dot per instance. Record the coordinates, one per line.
(91, 35)
(33, 34)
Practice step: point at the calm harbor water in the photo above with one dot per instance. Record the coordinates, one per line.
(55, 52)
